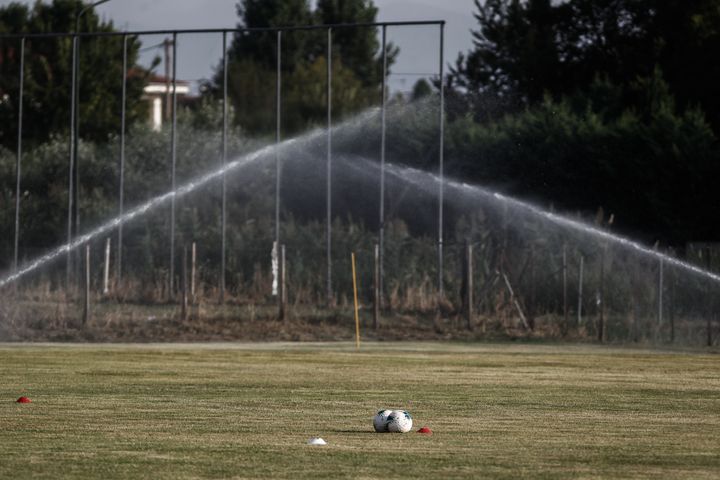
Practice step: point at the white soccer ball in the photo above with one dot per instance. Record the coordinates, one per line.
(380, 421)
(399, 421)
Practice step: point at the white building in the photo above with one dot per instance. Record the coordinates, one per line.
(158, 92)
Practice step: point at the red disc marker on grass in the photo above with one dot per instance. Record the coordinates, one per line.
(23, 400)
(425, 431)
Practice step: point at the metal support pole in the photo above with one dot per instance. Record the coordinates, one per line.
(442, 159)
(121, 193)
(278, 172)
(18, 161)
(381, 255)
(329, 168)
(71, 187)
(173, 154)
(580, 290)
(223, 214)
(76, 135)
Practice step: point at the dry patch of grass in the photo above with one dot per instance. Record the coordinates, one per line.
(503, 411)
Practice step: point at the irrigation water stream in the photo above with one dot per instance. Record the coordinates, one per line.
(422, 180)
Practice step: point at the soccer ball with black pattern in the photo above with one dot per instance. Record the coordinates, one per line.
(399, 421)
(380, 421)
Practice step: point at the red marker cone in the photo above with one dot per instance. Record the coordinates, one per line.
(23, 400)
(425, 431)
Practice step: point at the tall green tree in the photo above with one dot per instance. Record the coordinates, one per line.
(48, 74)
(356, 65)
(527, 48)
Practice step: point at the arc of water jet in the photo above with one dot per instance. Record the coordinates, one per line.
(410, 174)
(132, 214)
(180, 191)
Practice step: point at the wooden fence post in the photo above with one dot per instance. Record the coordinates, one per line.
(671, 301)
(282, 294)
(106, 270)
(469, 285)
(601, 298)
(708, 314)
(376, 288)
(193, 271)
(660, 299)
(580, 290)
(86, 306)
(184, 308)
(566, 311)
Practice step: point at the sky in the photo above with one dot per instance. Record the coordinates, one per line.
(198, 55)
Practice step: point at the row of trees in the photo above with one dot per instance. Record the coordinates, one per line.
(48, 74)
(357, 68)
(578, 104)
(587, 103)
(356, 63)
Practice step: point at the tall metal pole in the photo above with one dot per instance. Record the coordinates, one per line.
(329, 167)
(76, 134)
(71, 189)
(442, 159)
(121, 193)
(173, 148)
(18, 162)
(381, 235)
(223, 213)
(278, 99)
(76, 130)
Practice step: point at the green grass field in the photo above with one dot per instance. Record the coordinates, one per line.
(246, 411)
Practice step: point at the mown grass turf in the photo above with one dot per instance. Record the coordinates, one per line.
(505, 411)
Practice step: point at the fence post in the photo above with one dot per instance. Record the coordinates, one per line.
(106, 269)
(566, 319)
(184, 278)
(469, 285)
(193, 271)
(580, 290)
(671, 302)
(708, 315)
(660, 297)
(86, 303)
(283, 285)
(532, 308)
(601, 298)
(376, 289)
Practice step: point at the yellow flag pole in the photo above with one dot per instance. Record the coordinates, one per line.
(357, 319)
